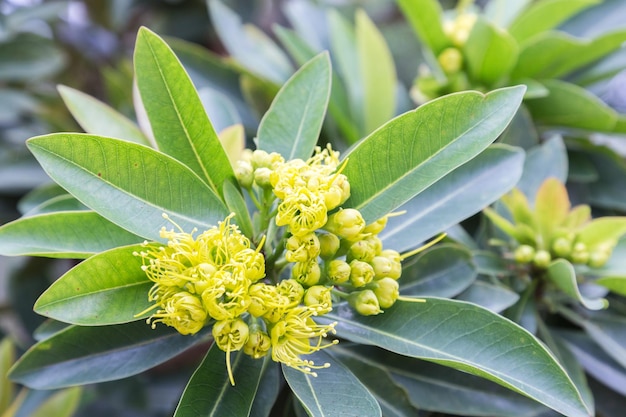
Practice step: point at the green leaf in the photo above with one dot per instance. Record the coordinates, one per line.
(503, 12)
(268, 391)
(335, 391)
(179, 122)
(496, 298)
(65, 234)
(108, 288)
(98, 118)
(236, 204)
(293, 122)
(378, 74)
(615, 284)
(7, 389)
(608, 331)
(545, 15)
(549, 159)
(414, 150)
(426, 16)
(28, 57)
(568, 105)
(552, 207)
(209, 393)
(392, 398)
(490, 52)
(248, 45)
(84, 355)
(562, 274)
(469, 338)
(128, 184)
(443, 271)
(602, 230)
(457, 196)
(60, 404)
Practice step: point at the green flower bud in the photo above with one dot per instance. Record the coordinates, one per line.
(580, 254)
(598, 258)
(382, 267)
(329, 245)
(361, 273)
(347, 223)
(230, 335)
(391, 254)
(244, 174)
(542, 259)
(258, 344)
(262, 159)
(376, 243)
(451, 60)
(338, 192)
(318, 295)
(291, 289)
(376, 227)
(524, 254)
(302, 248)
(262, 177)
(361, 250)
(387, 291)
(306, 273)
(365, 302)
(338, 271)
(562, 247)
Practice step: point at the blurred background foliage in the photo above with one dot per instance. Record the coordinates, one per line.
(87, 45)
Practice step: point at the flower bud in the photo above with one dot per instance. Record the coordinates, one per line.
(347, 223)
(302, 248)
(598, 258)
(258, 294)
(244, 174)
(451, 60)
(542, 259)
(377, 226)
(382, 267)
(258, 344)
(329, 245)
(580, 254)
(318, 296)
(262, 177)
(361, 250)
(391, 254)
(230, 335)
(524, 254)
(365, 302)
(306, 273)
(291, 289)
(338, 271)
(262, 159)
(361, 273)
(562, 247)
(387, 291)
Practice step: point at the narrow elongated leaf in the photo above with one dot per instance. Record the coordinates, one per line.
(457, 196)
(491, 52)
(503, 12)
(209, 392)
(237, 204)
(269, 389)
(179, 122)
(333, 392)
(546, 15)
(425, 16)
(128, 184)
(414, 150)
(60, 404)
(65, 234)
(378, 74)
(7, 389)
(496, 298)
(550, 159)
(443, 271)
(469, 338)
(562, 274)
(602, 230)
(293, 123)
(108, 288)
(98, 118)
(615, 284)
(83, 355)
(609, 332)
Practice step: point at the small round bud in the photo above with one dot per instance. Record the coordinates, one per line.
(382, 267)
(347, 223)
(291, 289)
(361, 273)
(258, 344)
(262, 159)
(361, 250)
(387, 291)
(302, 248)
(542, 259)
(244, 174)
(580, 253)
(524, 254)
(365, 302)
(562, 247)
(338, 271)
(451, 60)
(318, 295)
(230, 335)
(391, 254)
(377, 226)
(329, 245)
(306, 273)
(598, 258)
(262, 177)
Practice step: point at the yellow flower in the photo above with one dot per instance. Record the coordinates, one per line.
(291, 338)
(230, 336)
(180, 310)
(304, 211)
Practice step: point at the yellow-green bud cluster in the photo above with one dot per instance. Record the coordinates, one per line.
(565, 247)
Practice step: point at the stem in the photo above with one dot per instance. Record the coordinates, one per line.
(411, 300)
(423, 247)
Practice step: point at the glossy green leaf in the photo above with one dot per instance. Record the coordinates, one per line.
(179, 122)
(84, 355)
(469, 338)
(616, 265)
(615, 284)
(549, 159)
(98, 118)
(568, 105)
(552, 207)
(496, 298)
(64, 234)
(309, 21)
(209, 392)
(7, 389)
(503, 12)
(293, 122)
(426, 17)
(249, 45)
(268, 391)
(411, 152)
(490, 52)
(562, 274)
(392, 398)
(236, 204)
(457, 196)
(378, 74)
(300, 51)
(28, 57)
(129, 184)
(443, 271)
(335, 391)
(545, 15)
(63, 403)
(488, 262)
(602, 230)
(108, 288)
(609, 332)
(40, 195)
